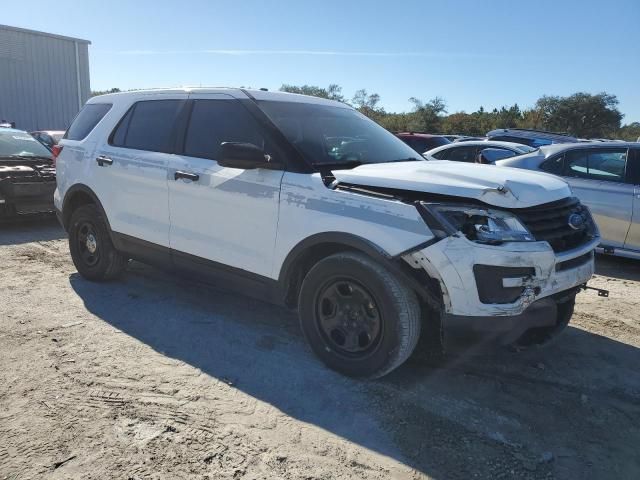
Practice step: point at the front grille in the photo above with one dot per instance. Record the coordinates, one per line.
(550, 222)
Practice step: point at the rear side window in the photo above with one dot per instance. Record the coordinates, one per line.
(216, 121)
(148, 125)
(86, 120)
(459, 154)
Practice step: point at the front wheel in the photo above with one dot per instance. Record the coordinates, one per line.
(359, 318)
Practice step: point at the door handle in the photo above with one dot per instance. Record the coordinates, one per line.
(103, 160)
(194, 177)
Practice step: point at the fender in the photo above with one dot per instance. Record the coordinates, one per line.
(66, 205)
(338, 241)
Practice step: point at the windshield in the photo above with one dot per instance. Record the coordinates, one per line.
(15, 142)
(333, 135)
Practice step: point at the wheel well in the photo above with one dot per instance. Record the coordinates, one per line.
(76, 200)
(304, 262)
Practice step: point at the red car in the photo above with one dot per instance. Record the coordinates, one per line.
(421, 142)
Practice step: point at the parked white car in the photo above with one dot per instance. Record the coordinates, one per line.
(606, 177)
(305, 202)
(477, 151)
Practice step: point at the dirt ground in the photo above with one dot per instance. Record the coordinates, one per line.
(154, 377)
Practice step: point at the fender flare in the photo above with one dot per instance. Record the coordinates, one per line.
(395, 264)
(81, 188)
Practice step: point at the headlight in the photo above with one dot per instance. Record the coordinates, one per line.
(483, 225)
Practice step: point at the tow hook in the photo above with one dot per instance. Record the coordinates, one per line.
(601, 292)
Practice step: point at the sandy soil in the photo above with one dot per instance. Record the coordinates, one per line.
(154, 377)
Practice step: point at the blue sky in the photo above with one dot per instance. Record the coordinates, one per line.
(471, 53)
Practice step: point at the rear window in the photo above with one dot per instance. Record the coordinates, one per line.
(148, 125)
(86, 120)
(422, 144)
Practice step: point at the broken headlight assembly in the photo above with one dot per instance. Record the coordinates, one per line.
(478, 224)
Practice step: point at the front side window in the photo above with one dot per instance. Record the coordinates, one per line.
(597, 164)
(148, 125)
(86, 120)
(216, 121)
(326, 134)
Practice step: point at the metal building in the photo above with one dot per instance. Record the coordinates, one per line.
(44, 78)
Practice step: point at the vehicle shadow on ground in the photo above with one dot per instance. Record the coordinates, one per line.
(14, 232)
(524, 415)
(618, 267)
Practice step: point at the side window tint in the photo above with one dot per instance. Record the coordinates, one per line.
(216, 121)
(597, 164)
(86, 120)
(461, 154)
(150, 126)
(608, 164)
(633, 166)
(553, 165)
(119, 134)
(493, 154)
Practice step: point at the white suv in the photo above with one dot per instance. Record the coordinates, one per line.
(305, 202)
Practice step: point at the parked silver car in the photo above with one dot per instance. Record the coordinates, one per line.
(470, 151)
(606, 177)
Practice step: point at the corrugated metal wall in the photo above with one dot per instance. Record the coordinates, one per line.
(39, 79)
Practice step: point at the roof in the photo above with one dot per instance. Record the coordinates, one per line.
(44, 34)
(237, 92)
(526, 133)
(559, 147)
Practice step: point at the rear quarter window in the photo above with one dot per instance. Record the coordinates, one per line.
(86, 120)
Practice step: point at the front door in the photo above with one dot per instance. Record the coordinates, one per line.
(225, 216)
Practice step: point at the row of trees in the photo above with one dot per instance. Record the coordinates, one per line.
(581, 114)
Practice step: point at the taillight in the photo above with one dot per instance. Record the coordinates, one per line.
(55, 151)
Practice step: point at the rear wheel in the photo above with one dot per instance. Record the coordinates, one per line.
(90, 245)
(358, 317)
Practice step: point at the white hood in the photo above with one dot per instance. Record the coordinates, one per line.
(498, 186)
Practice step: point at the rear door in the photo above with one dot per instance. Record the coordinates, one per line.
(597, 177)
(220, 216)
(633, 176)
(131, 168)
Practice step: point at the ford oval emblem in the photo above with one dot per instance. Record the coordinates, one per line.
(576, 221)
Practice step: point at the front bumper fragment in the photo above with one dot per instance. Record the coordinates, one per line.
(451, 262)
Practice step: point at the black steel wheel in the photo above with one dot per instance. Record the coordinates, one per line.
(358, 317)
(348, 316)
(90, 245)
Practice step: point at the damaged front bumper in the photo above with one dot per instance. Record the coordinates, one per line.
(502, 291)
(26, 198)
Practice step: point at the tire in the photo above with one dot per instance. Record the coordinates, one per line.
(359, 318)
(90, 245)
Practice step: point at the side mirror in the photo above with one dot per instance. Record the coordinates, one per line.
(245, 155)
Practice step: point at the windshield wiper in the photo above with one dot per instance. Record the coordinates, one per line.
(338, 165)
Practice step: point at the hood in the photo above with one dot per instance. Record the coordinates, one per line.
(498, 186)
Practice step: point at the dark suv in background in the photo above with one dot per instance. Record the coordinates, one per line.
(422, 142)
(533, 138)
